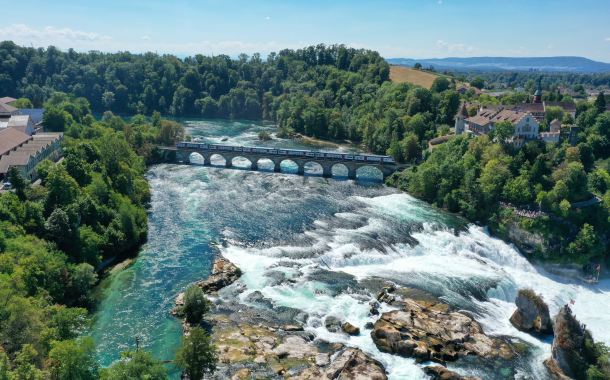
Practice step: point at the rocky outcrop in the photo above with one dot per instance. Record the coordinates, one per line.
(224, 273)
(568, 337)
(352, 364)
(332, 324)
(427, 333)
(531, 313)
(350, 329)
(442, 373)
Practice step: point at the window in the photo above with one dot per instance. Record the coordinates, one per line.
(528, 119)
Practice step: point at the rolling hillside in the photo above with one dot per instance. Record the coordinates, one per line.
(399, 74)
(576, 64)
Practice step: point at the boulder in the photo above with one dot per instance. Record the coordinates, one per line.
(332, 324)
(350, 329)
(352, 364)
(296, 347)
(241, 374)
(322, 360)
(442, 373)
(430, 334)
(292, 328)
(224, 273)
(531, 313)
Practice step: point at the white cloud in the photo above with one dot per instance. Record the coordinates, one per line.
(440, 2)
(145, 38)
(456, 48)
(20, 32)
(267, 18)
(608, 39)
(551, 46)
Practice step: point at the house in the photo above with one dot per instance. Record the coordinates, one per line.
(35, 113)
(592, 92)
(7, 111)
(24, 123)
(8, 100)
(555, 126)
(462, 90)
(25, 164)
(520, 89)
(536, 109)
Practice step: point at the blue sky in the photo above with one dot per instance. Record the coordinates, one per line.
(397, 29)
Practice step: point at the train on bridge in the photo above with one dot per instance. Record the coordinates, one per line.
(288, 152)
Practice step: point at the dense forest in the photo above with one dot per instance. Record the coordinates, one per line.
(574, 81)
(323, 91)
(473, 175)
(53, 237)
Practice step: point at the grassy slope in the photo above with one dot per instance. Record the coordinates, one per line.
(399, 74)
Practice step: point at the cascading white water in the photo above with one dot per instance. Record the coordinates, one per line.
(301, 226)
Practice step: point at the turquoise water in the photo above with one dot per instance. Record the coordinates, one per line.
(361, 229)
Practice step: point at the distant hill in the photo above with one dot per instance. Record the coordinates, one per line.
(576, 64)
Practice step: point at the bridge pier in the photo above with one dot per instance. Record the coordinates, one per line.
(229, 163)
(207, 158)
(327, 171)
(278, 166)
(351, 174)
(301, 170)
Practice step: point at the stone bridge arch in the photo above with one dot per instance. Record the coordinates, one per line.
(313, 167)
(370, 172)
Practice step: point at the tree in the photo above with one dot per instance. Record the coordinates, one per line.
(264, 135)
(107, 116)
(567, 119)
(587, 244)
(553, 113)
(505, 130)
(73, 360)
(417, 66)
(23, 103)
(108, 99)
(478, 82)
(564, 208)
(26, 370)
(56, 119)
(196, 355)
(63, 189)
(138, 365)
(600, 102)
(440, 84)
(195, 304)
(19, 183)
(472, 111)
(410, 147)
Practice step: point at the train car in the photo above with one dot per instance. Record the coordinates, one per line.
(238, 149)
(282, 152)
(359, 158)
(247, 150)
(272, 151)
(203, 146)
(299, 153)
(181, 145)
(388, 160)
(349, 157)
(373, 159)
(225, 147)
(192, 146)
(260, 150)
(213, 147)
(334, 156)
(310, 154)
(320, 155)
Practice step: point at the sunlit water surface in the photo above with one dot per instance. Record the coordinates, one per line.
(360, 227)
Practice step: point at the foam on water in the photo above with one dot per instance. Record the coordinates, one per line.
(306, 227)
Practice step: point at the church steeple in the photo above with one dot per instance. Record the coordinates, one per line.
(538, 93)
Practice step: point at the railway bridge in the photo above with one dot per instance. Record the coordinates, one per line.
(184, 155)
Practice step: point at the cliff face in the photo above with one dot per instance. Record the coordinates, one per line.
(531, 313)
(565, 350)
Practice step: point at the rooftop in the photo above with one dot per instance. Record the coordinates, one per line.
(7, 99)
(10, 138)
(7, 161)
(7, 109)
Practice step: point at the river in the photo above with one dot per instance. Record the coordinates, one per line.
(361, 229)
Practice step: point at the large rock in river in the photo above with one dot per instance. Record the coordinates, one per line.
(532, 313)
(442, 373)
(568, 335)
(429, 334)
(352, 364)
(224, 273)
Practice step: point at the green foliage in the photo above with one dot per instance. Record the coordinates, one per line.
(56, 119)
(72, 359)
(197, 356)
(138, 365)
(553, 113)
(23, 103)
(478, 82)
(600, 102)
(18, 182)
(505, 130)
(195, 304)
(263, 135)
(440, 84)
